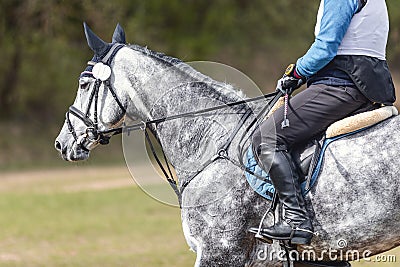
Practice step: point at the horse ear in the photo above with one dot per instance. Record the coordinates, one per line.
(98, 46)
(119, 35)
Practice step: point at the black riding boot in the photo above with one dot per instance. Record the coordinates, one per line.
(296, 225)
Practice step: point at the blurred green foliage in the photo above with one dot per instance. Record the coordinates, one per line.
(43, 48)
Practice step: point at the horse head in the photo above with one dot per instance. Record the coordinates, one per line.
(100, 102)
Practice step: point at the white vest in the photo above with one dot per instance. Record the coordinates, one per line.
(367, 33)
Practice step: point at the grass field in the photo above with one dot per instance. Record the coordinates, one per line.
(87, 216)
(97, 218)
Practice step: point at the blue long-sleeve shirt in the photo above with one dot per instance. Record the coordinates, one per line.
(333, 20)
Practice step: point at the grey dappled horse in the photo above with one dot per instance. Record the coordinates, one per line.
(355, 204)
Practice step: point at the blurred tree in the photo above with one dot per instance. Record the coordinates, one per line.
(44, 49)
(394, 37)
(11, 55)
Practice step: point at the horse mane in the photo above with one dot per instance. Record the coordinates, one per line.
(189, 70)
(156, 55)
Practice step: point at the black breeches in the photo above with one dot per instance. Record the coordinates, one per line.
(310, 112)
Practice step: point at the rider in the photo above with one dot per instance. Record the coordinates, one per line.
(346, 73)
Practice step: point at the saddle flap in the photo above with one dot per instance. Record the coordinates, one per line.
(306, 157)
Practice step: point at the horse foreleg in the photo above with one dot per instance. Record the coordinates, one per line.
(218, 255)
(221, 251)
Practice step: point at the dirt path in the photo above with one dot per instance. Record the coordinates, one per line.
(77, 178)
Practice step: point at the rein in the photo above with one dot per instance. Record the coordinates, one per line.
(94, 136)
(144, 124)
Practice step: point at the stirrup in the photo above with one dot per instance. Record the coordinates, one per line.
(271, 209)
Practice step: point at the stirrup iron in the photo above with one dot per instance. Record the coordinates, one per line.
(271, 209)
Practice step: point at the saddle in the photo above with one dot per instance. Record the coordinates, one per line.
(309, 157)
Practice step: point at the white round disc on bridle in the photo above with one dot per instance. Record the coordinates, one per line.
(101, 71)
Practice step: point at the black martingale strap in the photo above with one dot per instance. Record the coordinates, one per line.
(222, 151)
(249, 131)
(243, 119)
(202, 168)
(168, 175)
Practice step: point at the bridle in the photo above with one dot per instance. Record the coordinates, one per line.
(101, 71)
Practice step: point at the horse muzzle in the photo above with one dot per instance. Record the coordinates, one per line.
(89, 140)
(72, 151)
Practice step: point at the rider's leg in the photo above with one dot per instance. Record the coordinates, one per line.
(310, 112)
(297, 224)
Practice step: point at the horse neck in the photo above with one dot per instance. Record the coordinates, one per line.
(169, 87)
(190, 142)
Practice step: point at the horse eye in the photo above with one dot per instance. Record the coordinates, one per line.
(84, 86)
(84, 83)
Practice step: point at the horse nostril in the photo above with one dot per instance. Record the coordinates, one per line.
(58, 146)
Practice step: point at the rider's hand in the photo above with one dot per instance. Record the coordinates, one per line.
(290, 81)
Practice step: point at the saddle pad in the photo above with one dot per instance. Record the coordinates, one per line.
(263, 185)
(360, 121)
